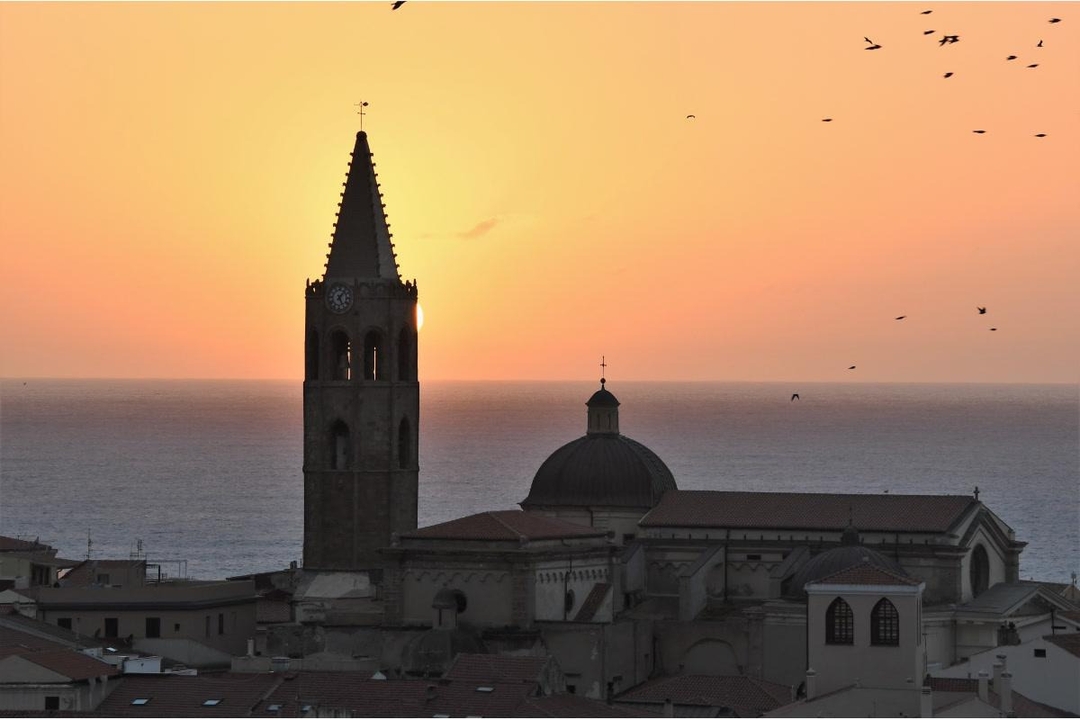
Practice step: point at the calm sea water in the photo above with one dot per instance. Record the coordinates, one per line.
(209, 472)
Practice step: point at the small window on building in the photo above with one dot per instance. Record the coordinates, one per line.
(628, 537)
(112, 627)
(141, 701)
(212, 702)
(207, 626)
(153, 627)
(52, 702)
(572, 689)
(221, 623)
(753, 557)
(273, 707)
(176, 627)
(485, 689)
(102, 579)
(64, 623)
(839, 623)
(1040, 652)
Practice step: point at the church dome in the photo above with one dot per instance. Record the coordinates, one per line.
(849, 554)
(603, 468)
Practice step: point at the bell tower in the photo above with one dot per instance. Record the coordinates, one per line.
(361, 395)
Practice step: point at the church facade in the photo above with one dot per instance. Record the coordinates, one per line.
(607, 567)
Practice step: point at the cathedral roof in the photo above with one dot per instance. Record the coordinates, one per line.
(827, 512)
(866, 573)
(601, 470)
(362, 247)
(514, 525)
(851, 561)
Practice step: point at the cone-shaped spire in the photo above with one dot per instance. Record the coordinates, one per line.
(362, 247)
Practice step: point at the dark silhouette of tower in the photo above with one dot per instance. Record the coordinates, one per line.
(361, 396)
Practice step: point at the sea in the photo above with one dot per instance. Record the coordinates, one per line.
(204, 476)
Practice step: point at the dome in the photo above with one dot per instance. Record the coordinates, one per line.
(610, 470)
(833, 561)
(603, 398)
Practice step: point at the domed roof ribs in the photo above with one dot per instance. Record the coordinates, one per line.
(361, 248)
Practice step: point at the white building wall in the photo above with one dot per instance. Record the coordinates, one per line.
(487, 593)
(555, 579)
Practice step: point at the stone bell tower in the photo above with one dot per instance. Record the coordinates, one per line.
(361, 395)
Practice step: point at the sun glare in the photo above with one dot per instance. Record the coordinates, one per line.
(419, 316)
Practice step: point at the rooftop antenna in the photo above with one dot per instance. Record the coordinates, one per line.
(603, 367)
(362, 104)
(89, 543)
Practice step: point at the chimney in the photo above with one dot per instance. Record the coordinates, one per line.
(1004, 660)
(999, 667)
(926, 702)
(1005, 692)
(811, 684)
(984, 686)
(669, 708)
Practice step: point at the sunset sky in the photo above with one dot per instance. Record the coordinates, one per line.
(169, 174)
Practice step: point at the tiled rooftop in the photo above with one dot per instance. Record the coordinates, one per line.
(69, 663)
(866, 574)
(744, 694)
(1070, 643)
(183, 696)
(511, 525)
(479, 668)
(825, 512)
(574, 706)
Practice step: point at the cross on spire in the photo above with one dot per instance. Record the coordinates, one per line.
(603, 367)
(362, 104)
(976, 492)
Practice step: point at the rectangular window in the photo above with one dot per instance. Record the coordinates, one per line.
(207, 626)
(1040, 652)
(52, 702)
(64, 623)
(112, 627)
(572, 689)
(102, 579)
(176, 627)
(221, 623)
(153, 627)
(753, 557)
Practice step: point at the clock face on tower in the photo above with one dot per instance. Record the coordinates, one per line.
(339, 298)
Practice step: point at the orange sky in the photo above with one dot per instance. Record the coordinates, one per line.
(170, 174)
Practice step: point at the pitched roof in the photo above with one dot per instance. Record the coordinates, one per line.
(10, 544)
(745, 694)
(19, 641)
(866, 573)
(574, 706)
(592, 602)
(184, 695)
(69, 663)
(510, 525)
(480, 668)
(1023, 706)
(1005, 598)
(86, 572)
(809, 511)
(1070, 643)
(361, 247)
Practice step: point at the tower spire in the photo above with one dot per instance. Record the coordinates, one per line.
(361, 248)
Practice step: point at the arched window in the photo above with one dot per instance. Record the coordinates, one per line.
(404, 444)
(341, 355)
(884, 624)
(980, 571)
(373, 356)
(404, 356)
(339, 446)
(311, 356)
(839, 623)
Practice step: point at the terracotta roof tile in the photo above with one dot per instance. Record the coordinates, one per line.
(592, 602)
(1070, 642)
(10, 544)
(742, 693)
(808, 511)
(574, 706)
(70, 663)
(20, 641)
(184, 695)
(865, 574)
(479, 668)
(1023, 706)
(512, 525)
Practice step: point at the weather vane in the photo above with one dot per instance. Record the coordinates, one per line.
(362, 104)
(603, 367)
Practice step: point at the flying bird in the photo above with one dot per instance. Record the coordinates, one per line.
(851, 368)
(978, 132)
(826, 119)
(397, 4)
(872, 47)
(926, 12)
(948, 74)
(1033, 65)
(901, 317)
(691, 117)
(868, 40)
(993, 329)
(1055, 20)
(794, 396)
(928, 32)
(1041, 135)
(949, 39)
(1040, 44)
(1011, 57)
(982, 310)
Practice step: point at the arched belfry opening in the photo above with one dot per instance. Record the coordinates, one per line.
(405, 444)
(404, 355)
(373, 356)
(980, 571)
(340, 446)
(311, 355)
(341, 355)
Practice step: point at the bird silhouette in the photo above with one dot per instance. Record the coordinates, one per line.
(826, 119)
(1011, 57)
(926, 12)
(794, 396)
(691, 117)
(873, 47)
(901, 317)
(868, 40)
(982, 310)
(1055, 20)
(993, 329)
(397, 4)
(948, 74)
(928, 32)
(1040, 135)
(978, 132)
(1040, 44)
(1033, 65)
(950, 39)
(851, 368)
